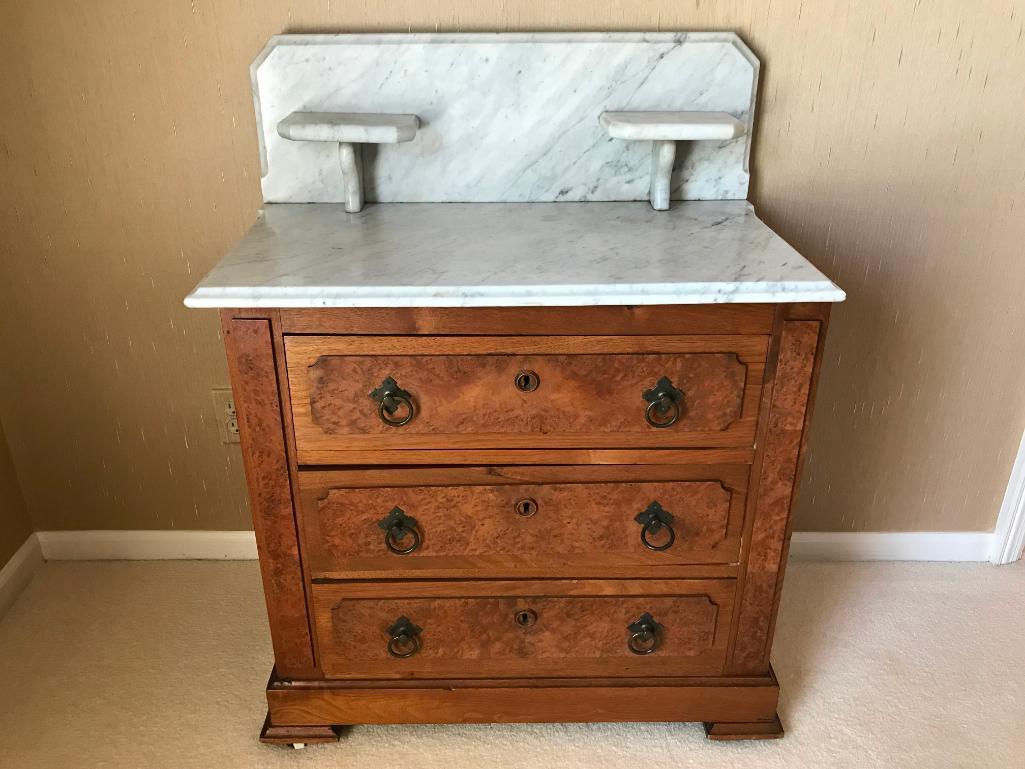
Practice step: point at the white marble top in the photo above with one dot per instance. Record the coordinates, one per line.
(510, 255)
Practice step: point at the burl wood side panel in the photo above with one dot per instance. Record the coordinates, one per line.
(468, 517)
(251, 366)
(475, 634)
(590, 393)
(776, 481)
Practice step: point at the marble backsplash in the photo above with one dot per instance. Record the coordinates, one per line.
(504, 117)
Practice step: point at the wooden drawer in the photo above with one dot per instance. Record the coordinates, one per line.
(467, 392)
(554, 628)
(519, 521)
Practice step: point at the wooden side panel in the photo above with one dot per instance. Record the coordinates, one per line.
(474, 629)
(582, 519)
(776, 479)
(251, 364)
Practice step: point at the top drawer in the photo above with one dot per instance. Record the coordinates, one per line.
(422, 392)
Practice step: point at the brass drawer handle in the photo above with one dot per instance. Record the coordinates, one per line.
(665, 404)
(397, 525)
(653, 519)
(405, 638)
(393, 399)
(644, 634)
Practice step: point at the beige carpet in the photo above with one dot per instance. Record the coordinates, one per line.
(155, 665)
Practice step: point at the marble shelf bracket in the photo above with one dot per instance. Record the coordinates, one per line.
(663, 130)
(349, 129)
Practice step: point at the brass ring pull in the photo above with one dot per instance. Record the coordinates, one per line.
(405, 639)
(397, 526)
(643, 635)
(393, 399)
(650, 529)
(654, 519)
(398, 533)
(665, 404)
(390, 405)
(660, 407)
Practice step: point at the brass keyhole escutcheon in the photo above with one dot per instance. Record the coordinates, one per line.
(527, 381)
(526, 617)
(525, 507)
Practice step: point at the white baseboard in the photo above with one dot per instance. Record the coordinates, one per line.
(148, 545)
(1009, 535)
(892, 545)
(241, 545)
(17, 572)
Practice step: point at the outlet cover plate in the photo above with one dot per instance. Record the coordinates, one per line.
(224, 412)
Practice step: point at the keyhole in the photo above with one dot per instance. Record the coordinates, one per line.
(526, 617)
(525, 507)
(527, 381)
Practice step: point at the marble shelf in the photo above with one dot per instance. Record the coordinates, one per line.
(352, 127)
(664, 129)
(671, 126)
(349, 129)
(510, 255)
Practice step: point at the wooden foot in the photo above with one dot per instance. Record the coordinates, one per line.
(752, 730)
(296, 736)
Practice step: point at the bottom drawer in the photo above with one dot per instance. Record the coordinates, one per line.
(553, 628)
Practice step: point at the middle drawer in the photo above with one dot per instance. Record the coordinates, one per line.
(520, 521)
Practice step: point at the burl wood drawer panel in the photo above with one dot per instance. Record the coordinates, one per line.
(553, 628)
(520, 521)
(522, 392)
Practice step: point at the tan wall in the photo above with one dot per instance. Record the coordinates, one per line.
(14, 521)
(889, 149)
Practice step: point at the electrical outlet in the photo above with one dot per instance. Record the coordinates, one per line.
(227, 418)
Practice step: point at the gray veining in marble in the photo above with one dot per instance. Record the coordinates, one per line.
(518, 254)
(508, 117)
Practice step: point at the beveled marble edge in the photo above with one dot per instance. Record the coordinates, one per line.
(758, 292)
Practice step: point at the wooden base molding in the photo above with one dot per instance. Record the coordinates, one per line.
(771, 729)
(297, 736)
(727, 703)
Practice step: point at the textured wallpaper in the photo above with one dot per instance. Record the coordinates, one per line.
(888, 149)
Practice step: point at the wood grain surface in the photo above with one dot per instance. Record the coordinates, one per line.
(585, 321)
(467, 519)
(774, 494)
(464, 391)
(470, 629)
(250, 348)
(523, 701)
